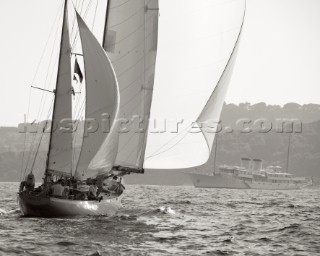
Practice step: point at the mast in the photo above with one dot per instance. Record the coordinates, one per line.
(59, 157)
(105, 24)
(215, 155)
(288, 153)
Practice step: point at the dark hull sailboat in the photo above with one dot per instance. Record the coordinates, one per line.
(38, 206)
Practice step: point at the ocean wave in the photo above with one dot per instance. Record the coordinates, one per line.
(173, 221)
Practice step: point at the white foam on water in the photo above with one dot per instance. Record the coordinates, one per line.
(166, 210)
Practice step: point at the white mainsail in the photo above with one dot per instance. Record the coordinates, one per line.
(60, 146)
(99, 147)
(130, 39)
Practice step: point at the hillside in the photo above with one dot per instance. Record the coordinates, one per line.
(270, 146)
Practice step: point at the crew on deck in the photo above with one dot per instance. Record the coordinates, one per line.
(28, 184)
(57, 189)
(70, 188)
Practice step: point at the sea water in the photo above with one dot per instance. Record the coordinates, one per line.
(162, 220)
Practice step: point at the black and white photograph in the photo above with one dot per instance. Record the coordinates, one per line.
(160, 127)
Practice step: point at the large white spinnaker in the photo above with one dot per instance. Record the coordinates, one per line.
(60, 145)
(99, 146)
(130, 39)
(193, 73)
(209, 118)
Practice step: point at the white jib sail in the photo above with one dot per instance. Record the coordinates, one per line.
(60, 147)
(130, 39)
(100, 142)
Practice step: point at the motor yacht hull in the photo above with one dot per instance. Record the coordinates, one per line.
(228, 181)
(216, 181)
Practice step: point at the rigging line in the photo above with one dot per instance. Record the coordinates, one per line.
(74, 18)
(40, 61)
(168, 142)
(54, 66)
(47, 85)
(42, 96)
(84, 16)
(25, 134)
(40, 111)
(77, 109)
(74, 158)
(77, 119)
(95, 14)
(81, 6)
(76, 135)
(159, 153)
(87, 9)
(38, 145)
(37, 151)
(30, 150)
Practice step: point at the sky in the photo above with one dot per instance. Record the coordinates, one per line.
(278, 59)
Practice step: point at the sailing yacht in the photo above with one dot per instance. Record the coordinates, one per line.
(103, 155)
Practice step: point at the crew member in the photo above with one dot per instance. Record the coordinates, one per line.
(28, 183)
(57, 189)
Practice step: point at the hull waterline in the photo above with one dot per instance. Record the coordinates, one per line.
(36, 206)
(272, 186)
(227, 181)
(216, 181)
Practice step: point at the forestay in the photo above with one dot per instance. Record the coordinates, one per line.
(130, 39)
(99, 147)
